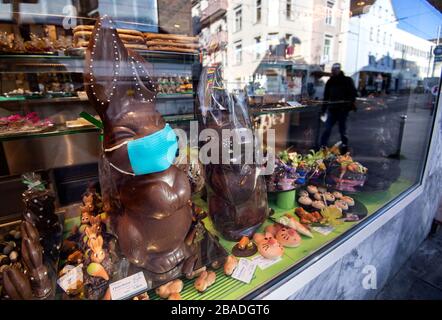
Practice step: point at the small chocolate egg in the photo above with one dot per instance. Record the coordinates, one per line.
(17, 235)
(7, 249)
(13, 256)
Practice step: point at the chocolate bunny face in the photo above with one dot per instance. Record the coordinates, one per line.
(152, 217)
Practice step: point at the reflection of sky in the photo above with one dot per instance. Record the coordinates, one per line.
(142, 12)
(420, 18)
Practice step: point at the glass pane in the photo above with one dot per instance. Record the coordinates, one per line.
(341, 96)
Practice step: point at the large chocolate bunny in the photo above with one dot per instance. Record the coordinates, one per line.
(150, 213)
(237, 195)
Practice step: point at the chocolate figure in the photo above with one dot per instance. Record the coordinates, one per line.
(35, 282)
(237, 195)
(149, 212)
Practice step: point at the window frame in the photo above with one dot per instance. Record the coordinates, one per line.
(237, 23)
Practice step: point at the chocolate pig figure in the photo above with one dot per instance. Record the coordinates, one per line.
(149, 213)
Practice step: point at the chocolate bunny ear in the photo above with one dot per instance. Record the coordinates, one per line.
(112, 72)
(28, 231)
(16, 284)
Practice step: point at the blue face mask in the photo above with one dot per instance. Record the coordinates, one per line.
(150, 154)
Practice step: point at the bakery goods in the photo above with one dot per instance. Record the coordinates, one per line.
(132, 39)
(171, 42)
(318, 205)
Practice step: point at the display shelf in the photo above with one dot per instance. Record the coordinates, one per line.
(58, 130)
(57, 100)
(227, 288)
(61, 130)
(30, 63)
(40, 100)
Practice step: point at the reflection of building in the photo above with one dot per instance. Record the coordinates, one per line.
(380, 56)
(272, 42)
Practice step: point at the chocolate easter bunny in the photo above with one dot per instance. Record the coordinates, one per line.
(149, 213)
(237, 195)
(33, 259)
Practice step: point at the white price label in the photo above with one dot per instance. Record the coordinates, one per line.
(264, 263)
(72, 280)
(323, 230)
(128, 286)
(244, 271)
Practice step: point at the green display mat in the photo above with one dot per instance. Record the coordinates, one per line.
(227, 288)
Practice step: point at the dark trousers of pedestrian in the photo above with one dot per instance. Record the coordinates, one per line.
(341, 118)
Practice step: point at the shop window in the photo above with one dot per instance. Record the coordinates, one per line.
(323, 184)
(327, 53)
(258, 11)
(238, 52)
(329, 13)
(288, 10)
(258, 48)
(238, 19)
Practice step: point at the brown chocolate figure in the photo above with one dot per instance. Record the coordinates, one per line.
(149, 213)
(32, 254)
(237, 195)
(16, 284)
(35, 284)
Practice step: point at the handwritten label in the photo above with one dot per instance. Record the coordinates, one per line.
(244, 271)
(264, 263)
(323, 230)
(72, 280)
(82, 95)
(128, 287)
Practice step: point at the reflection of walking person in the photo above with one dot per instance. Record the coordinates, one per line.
(341, 92)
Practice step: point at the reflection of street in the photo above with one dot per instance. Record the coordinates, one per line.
(373, 133)
(374, 136)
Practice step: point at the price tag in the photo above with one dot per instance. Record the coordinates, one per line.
(82, 95)
(72, 280)
(264, 263)
(244, 271)
(323, 230)
(128, 287)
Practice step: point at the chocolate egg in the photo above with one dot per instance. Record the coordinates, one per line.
(13, 256)
(7, 249)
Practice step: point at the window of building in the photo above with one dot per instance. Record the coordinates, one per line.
(238, 19)
(385, 38)
(327, 56)
(371, 33)
(288, 10)
(378, 35)
(258, 47)
(329, 13)
(258, 11)
(238, 52)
